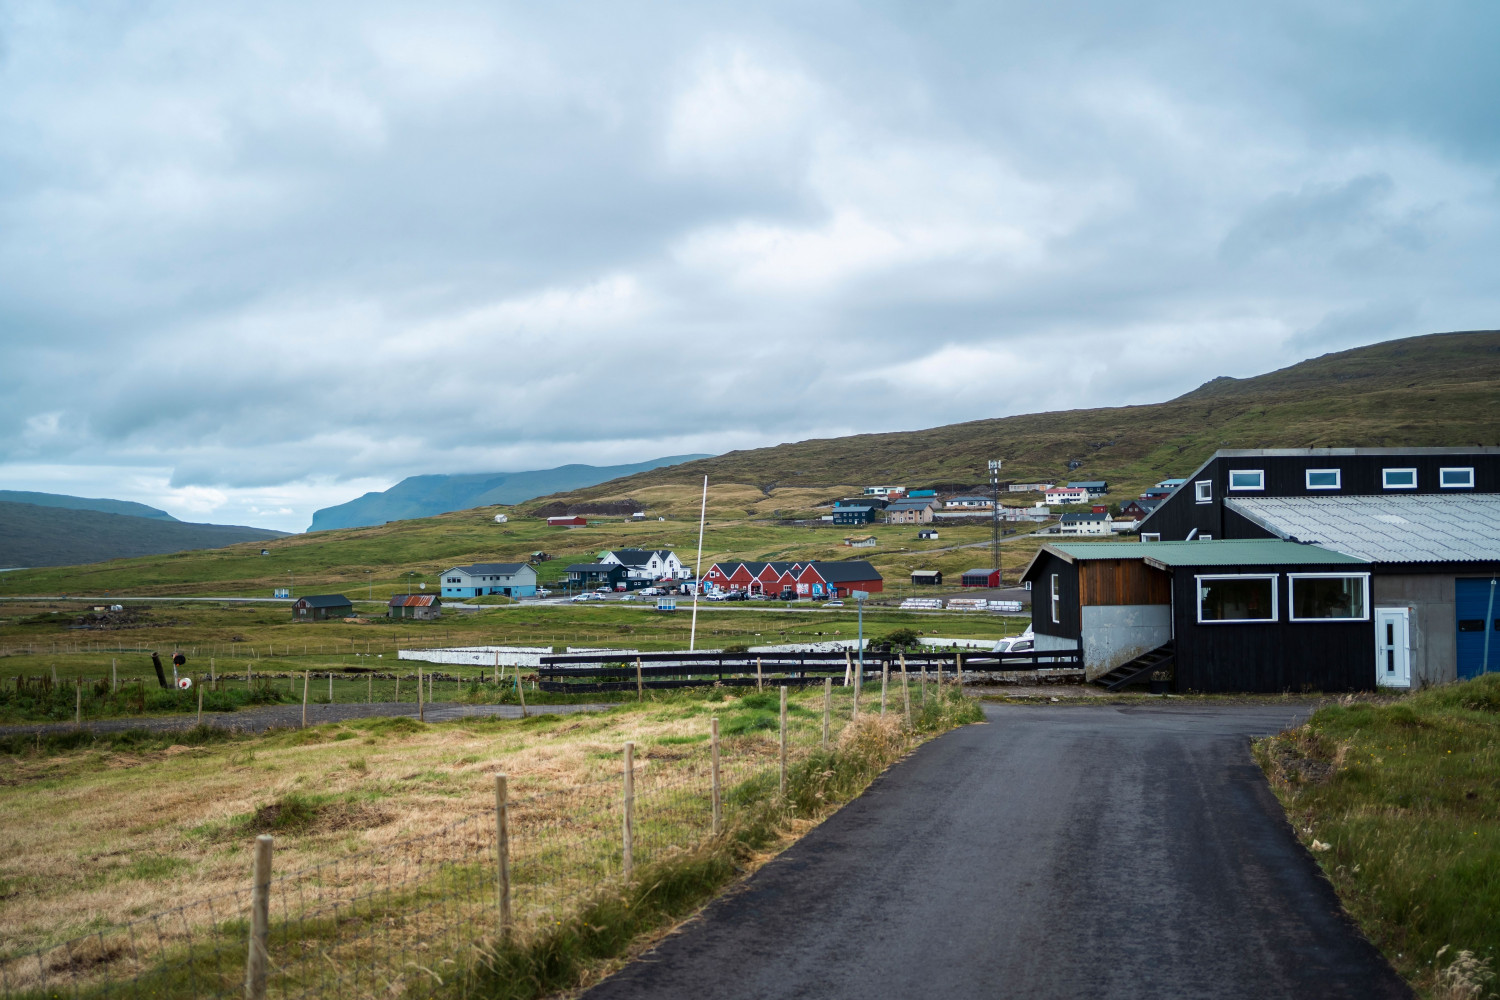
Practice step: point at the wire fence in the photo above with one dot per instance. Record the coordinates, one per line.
(417, 917)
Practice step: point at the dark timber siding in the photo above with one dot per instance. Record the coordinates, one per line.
(1285, 476)
(1041, 598)
(1122, 581)
(1270, 656)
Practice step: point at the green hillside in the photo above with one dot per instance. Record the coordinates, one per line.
(1441, 389)
(32, 535)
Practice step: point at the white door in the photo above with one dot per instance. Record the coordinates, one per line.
(1392, 647)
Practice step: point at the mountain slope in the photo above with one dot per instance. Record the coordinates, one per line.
(1440, 389)
(85, 503)
(425, 496)
(36, 535)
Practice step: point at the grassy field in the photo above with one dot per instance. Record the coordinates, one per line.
(375, 563)
(1400, 804)
(259, 656)
(104, 830)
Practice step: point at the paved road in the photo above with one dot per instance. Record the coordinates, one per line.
(1061, 851)
(288, 716)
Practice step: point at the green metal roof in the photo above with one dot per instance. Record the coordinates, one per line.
(1219, 552)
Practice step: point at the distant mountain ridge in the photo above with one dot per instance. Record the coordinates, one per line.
(54, 535)
(129, 507)
(426, 496)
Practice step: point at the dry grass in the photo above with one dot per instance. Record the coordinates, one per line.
(94, 838)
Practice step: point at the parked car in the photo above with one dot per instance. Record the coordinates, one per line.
(788, 595)
(715, 596)
(833, 604)
(543, 592)
(758, 596)
(604, 590)
(580, 598)
(651, 592)
(736, 595)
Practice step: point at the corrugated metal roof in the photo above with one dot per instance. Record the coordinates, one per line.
(1396, 529)
(413, 601)
(324, 601)
(1219, 552)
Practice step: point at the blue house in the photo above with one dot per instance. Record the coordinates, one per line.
(505, 579)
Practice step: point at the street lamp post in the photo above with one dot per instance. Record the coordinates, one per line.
(409, 575)
(291, 586)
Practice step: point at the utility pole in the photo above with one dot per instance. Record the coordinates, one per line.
(994, 465)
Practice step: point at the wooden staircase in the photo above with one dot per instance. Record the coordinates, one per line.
(1138, 669)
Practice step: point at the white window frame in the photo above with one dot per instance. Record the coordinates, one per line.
(1260, 480)
(1056, 601)
(1443, 474)
(1205, 538)
(1338, 479)
(1292, 579)
(1386, 484)
(1203, 491)
(1151, 536)
(1275, 598)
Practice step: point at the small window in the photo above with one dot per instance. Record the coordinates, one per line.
(1203, 491)
(1398, 479)
(1247, 479)
(1456, 479)
(1317, 597)
(1205, 538)
(1056, 602)
(1471, 624)
(1323, 479)
(1151, 536)
(1237, 598)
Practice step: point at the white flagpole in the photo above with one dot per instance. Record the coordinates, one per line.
(698, 572)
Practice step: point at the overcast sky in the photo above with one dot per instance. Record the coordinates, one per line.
(257, 259)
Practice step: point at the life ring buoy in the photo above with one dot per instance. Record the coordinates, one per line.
(184, 682)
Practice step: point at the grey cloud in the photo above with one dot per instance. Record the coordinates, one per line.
(270, 250)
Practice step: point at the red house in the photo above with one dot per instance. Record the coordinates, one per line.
(567, 522)
(838, 579)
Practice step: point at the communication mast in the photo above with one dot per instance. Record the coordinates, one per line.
(994, 465)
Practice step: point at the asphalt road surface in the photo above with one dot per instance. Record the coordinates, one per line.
(1061, 851)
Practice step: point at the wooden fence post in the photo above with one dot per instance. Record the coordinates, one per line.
(924, 684)
(306, 682)
(827, 707)
(628, 832)
(905, 692)
(718, 800)
(520, 691)
(398, 685)
(958, 670)
(783, 741)
(421, 705)
(369, 689)
(502, 848)
(260, 921)
(200, 701)
(78, 705)
(330, 687)
(885, 681)
(848, 669)
(759, 679)
(114, 677)
(211, 676)
(940, 675)
(640, 687)
(497, 670)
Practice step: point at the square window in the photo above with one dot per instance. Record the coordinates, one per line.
(1329, 597)
(1323, 479)
(1398, 479)
(1456, 479)
(1203, 490)
(1151, 536)
(1237, 598)
(1205, 538)
(1247, 479)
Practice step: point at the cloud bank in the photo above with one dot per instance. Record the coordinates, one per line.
(256, 261)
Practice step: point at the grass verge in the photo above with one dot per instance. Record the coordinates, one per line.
(1400, 805)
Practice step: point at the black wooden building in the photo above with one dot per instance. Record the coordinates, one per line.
(1197, 508)
(1263, 615)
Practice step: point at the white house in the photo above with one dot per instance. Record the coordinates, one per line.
(1068, 494)
(969, 503)
(648, 564)
(1086, 524)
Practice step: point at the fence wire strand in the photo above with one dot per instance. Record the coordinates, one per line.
(416, 917)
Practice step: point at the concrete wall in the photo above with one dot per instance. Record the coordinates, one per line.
(1434, 641)
(1116, 634)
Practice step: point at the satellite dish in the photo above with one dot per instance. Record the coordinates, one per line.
(421, 586)
(184, 682)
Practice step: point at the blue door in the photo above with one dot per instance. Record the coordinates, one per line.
(1476, 603)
